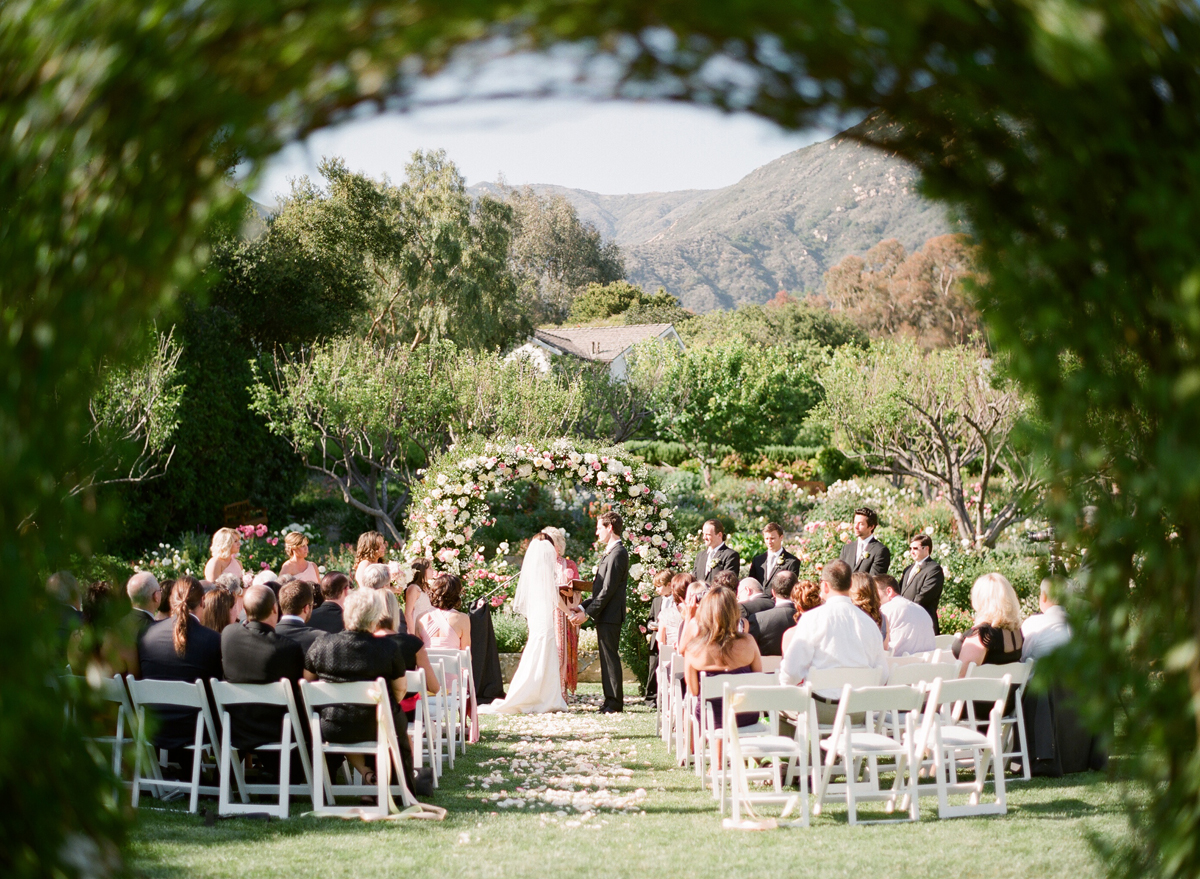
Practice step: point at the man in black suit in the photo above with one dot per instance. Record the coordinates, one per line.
(296, 607)
(328, 617)
(752, 598)
(776, 558)
(923, 580)
(866, 554)
(62, 586)
(144, 594)
(607, 607)
(254, 653)
(767, 627)
(716, 556)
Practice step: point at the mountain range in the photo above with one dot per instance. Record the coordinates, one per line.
(778, 228)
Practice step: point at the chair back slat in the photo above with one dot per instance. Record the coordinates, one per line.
(318, 694)
(922, 672)
(225, 693)
(884, 699)
(712, 686)
(976, 689)
(836, 678)
(179, 693)
(1019, 672)
(778, 698)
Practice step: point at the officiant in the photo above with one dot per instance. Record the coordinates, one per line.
(566, 633)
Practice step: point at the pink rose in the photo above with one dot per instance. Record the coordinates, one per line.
(264, 565)
(261, 531)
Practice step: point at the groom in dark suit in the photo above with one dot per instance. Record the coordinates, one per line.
(865, 553)
(606, 607)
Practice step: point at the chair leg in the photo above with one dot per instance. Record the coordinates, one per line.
(223, 768)
(197, 759)
(285, 768)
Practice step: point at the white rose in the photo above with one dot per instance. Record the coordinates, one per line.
(583, 471)
(670, 537)
(459, 540)
(589, 458)
(659, 497)
(524, 470)
(436, 493)
(656, 540)
(615, 466)
(636, 571)
(442, 480)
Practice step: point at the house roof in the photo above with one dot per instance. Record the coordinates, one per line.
(604, 344)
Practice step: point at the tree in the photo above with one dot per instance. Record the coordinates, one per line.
(510, 397)
(613, 410)
(785, 321)
(555, 255)
(602, 301)
(933, 416)
(734, 395)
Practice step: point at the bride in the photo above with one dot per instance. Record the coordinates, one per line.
(536, 688)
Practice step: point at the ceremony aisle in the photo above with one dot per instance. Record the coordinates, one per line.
(584, 794)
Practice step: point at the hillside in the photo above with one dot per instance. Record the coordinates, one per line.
(779, 228)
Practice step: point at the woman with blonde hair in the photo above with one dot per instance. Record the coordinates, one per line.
(995, 639)
(298, 565)
(224, 549)
(371, 550)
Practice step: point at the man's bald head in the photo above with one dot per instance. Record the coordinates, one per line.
(143, 590)
(259, 602)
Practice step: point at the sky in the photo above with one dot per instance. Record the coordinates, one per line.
(611, 147)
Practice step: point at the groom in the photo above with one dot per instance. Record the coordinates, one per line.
(607, 607)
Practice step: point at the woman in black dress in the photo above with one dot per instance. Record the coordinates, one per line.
(995, 639)
(357, 655)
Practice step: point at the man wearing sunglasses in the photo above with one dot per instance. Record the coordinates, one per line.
(922, 581)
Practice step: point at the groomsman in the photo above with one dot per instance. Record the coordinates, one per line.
(776, 558)
(715, 556)
(865, 553)
(922, 581)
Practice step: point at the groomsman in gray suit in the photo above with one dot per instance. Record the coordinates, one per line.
(923, 580)
(866, 554)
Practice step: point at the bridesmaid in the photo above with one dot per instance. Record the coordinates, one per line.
(566, 633)
(224, 549)
(371, 550)
(298, 564)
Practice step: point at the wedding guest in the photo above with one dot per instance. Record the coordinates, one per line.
(415, 657)
(145, 595)
(226, 543)
(768, 627)
(218, 609)
(996, 638)
(715, 556)
(328, 617)
(1046, 631)
(696, 590)
(776, 558)
(909, 628)
(64, 588)
(865, 553)
(805, 596)
(566, 633)
(662, 595)
(669, 615)
(752, 598)
(719, 648)
(164, 603)
(355, 654)
(295, 608)
(264, 577)
(416, 598)
(723, 580)
(679, 590)
(371, 550)
(237, 588)
(866, 599)
(106, 641)
(923, 580)
(297, 564)
(180, 648)
(375, 576)
(445, 625)
(835, 635)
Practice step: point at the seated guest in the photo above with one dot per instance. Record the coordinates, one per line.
(662, 596)
(866, 599)
(263, 577)
(218, 609)
(445, 625)
(724, 580)
(768, 627)
(328, 617)
(805, 596)
(382, 577)
(107, 640)
(355, 654)
(179, 648)
(696, 590)
(719, 648)
(236, 587)
(64, 589)
(835, 635)
(296, 607)
(226, 543)
(297, 564)
(752, 598)
(910, 630)
(415, 657)
(254, 653)
(996, 638)
(670, 615)
(1045, 631)
(776, 558)
(164, 603)
(145, 595)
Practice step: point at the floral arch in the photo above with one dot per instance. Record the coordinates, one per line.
(451, 503)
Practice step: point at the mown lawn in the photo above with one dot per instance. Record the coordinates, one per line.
(672, 829)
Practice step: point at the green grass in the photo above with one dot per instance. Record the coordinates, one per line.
(673, 831)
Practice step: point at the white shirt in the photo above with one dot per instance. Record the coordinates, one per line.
(608, 546)
(909, 626)
(772, 561)
(669, 620)
(835, 635)
(1043, 632)
(293, 617)
(862, 548)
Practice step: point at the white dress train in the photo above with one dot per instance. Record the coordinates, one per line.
(535, 687)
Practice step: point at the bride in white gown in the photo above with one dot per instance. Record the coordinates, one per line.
(536, 688)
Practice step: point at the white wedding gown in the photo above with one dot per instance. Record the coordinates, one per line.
(535, 688)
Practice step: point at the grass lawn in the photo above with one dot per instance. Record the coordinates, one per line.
(649, 818)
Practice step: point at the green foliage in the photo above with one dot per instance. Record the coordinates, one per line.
(832, 465)
(931, 415)
(784, 322)
(494, 396)
(512, 631)
(601, 301)
(612, 410)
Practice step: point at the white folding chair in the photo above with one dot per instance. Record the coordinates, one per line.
(712, 686)
(745, 752)
(112, 690)
(1015, 742)
(770, 664)
(662, 695)
(913, 659)
(847, 747)
(175, 694)
(444, 706)
(943, 642)
(922, 673)
(826, 685)
(946, 738)
(680, 705)
(421, 733)
(457, 666)
(385, 748)
(280, 695)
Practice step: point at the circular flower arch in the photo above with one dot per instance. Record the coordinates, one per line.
(451, 501)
